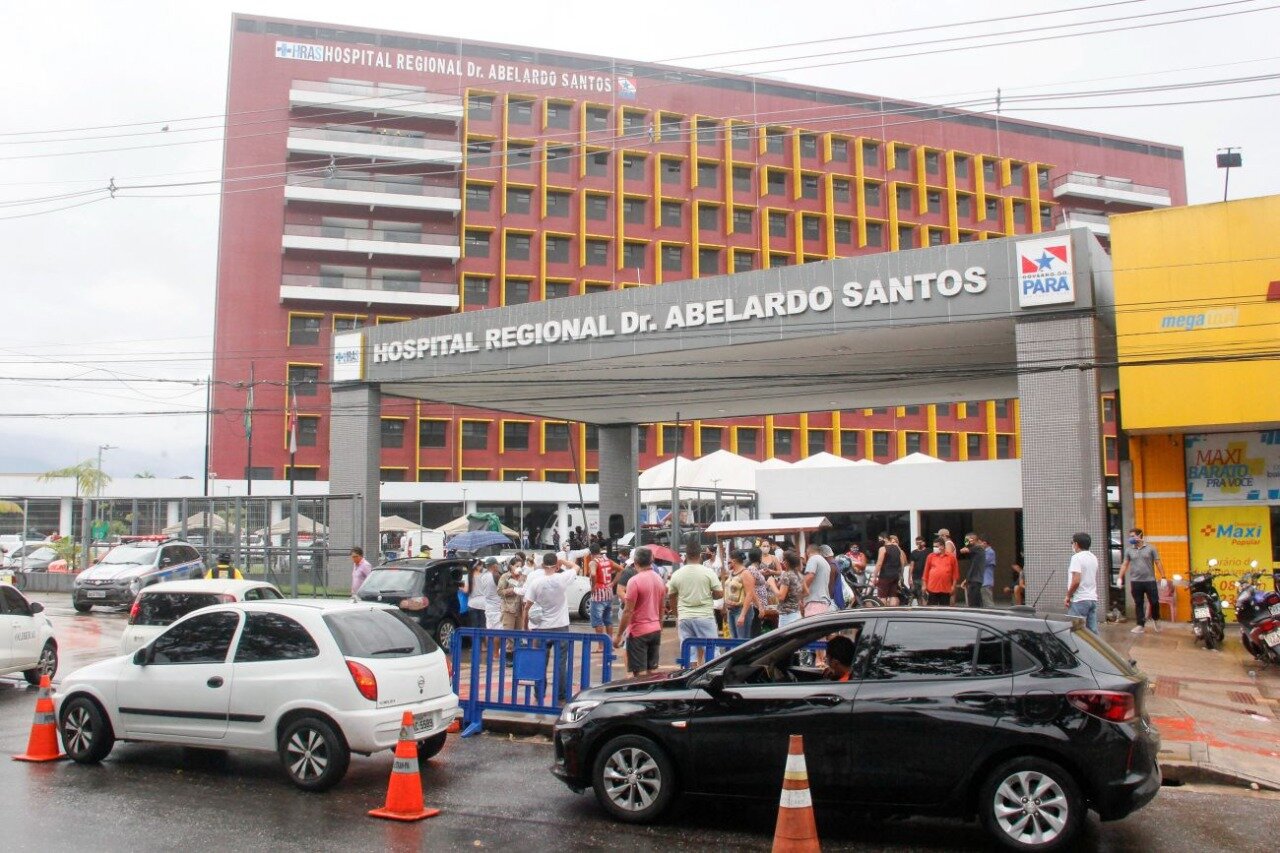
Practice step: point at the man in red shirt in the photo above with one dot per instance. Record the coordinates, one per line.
(941, 574)
(641, 624)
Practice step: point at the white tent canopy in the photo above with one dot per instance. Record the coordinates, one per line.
(774, 462)
(200, 521)
(719, 470)
(461, 524)
(396, 524)
(917, 459)
(305, 525)
(824, 460)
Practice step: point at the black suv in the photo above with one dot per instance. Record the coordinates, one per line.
(426, 590)
(1025, 721)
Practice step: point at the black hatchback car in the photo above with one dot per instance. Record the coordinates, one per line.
(426, 590)
(1025, 721)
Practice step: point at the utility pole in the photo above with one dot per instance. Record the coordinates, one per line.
(248, 434)
(520, 521)
(208, 426)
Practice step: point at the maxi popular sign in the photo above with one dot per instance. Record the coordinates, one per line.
(852, 296)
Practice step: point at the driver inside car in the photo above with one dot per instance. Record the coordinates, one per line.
(839, 659)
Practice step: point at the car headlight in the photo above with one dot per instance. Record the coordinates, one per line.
(575, 711)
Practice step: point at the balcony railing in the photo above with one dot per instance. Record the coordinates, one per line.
(378, 235)
(387, 285)
(1104, 188)
(382, 136)
(372, 97)
(373, 186)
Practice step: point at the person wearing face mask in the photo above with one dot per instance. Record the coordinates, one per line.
(1141, 564)
(941, 575)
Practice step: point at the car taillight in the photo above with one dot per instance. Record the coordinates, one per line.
(1114, 706)
(416, 603)
(134, 610)
(365, 682)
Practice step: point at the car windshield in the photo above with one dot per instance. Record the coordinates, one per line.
(378, 634)
(164, 608)
(394, 581)
(131, 555)
(41, 554)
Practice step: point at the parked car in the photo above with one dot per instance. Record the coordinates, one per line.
(27, 644)
(117, 579)
(426, 590)
(313, 681)
(1025, 721)
(31, 558)
(160, 605)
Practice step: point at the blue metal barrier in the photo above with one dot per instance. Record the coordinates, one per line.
(714, 647)
(524, 689)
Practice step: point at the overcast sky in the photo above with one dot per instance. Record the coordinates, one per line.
(122, 290)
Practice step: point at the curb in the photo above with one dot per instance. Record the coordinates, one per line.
(522, 725)
(1190, 773)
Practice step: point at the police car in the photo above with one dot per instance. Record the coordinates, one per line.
(27, 644)
(137, 562)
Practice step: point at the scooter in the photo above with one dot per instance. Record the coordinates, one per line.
(1258, 613)
(1207, 623)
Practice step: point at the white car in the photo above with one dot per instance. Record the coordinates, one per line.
(27, 644)
(313, 681)
(160, 605)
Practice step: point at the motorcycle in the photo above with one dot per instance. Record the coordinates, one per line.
(1207, 623)
(1258, 613)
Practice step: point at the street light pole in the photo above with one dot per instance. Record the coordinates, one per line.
(521, 480)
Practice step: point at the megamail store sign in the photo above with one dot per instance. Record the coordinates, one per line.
(852, 296)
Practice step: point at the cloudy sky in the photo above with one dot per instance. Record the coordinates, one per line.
(118, 293)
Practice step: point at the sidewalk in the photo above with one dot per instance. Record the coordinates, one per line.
(1218, 712)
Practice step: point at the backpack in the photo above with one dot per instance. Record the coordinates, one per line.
(835, 588)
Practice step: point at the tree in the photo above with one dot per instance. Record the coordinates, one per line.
(90, 479)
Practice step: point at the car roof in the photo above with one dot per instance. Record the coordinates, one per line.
(319, 605)
(420, 564)
(211, 585)
(1001, 617)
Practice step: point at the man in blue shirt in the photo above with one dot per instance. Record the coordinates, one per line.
(989, 579)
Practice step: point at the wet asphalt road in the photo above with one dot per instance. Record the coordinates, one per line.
(494, 792)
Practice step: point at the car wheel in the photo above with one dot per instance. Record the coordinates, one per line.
(584, 607)
(444, 633)
(86, 732)
(430, 748)
(47, 665)
(81, 606)
(313, 754)
(633, 779)
(1031, 804)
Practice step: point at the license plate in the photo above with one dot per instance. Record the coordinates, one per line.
(96, 593)
(1202, 613)
(423, 723)
(1272, 638)
(1275, 609)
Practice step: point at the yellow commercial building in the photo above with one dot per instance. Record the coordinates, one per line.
(1198, 339)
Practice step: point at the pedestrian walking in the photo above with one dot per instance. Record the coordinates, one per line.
(511, 591)
(735, 597)
(1082, 586)
(887, 574)
(941, 574)
(491, 602)
(915, 568)
(788, 586)
(599, 571)
(1141, 565)
(756, 603)
(641, 624)
(691, 594)
(360, 569)
(817, 582)
(989, 577)
(975, 554)
(476, 592)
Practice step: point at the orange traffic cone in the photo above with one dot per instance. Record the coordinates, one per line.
(43, 744)
(404, 792)
(455, 726)
(797, 832)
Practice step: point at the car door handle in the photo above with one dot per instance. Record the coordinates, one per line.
(827, 699)
(978, 700)
(216, 681)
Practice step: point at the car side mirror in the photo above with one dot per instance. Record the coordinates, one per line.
(36, 607)
(715, 684)
(142, 657)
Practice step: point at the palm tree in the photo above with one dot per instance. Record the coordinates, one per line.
(90, 479)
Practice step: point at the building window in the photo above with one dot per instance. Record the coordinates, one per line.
(809, 186)
(596, 287)
(598, 163)
(1019, 213)
(597, 207)
(433, 434)
(519, 155)
(774, 140)
(1002, 408)
(911, 411)
(391, 475)
(817, 441)
(642, 439)
(962, 166)
(471, 475)
(557, 204)
(945, 450)
(672, 214)
(559, 114)
(904, 194)
(708, 175)
(591, 435)
(777, 182)
(519, 200)
(973, 446)
(304, 330)
(597, 253)
(712, 439)
(932, 162)
(840, 150)
(516, 291)
(708, 261)
(783, 441)
(475, 290)
(1004, 447)
(559, 158)
(392, 432)
(742, 220)
(993, 211)
(708, 132)
(777, 224)
(989, 171)
(308, 431)
(673, 258)
(964, 206)
(942, 410)
(475, 435)
(633, 166)
(779, 260)
(906, 237)
(935, 236)
(557, 249)
(478, 153)
(741, 137)
(743, 261)
(347, 323)
(303, 379)
(901, 158)
(597, 118)
(1046, 218)
(555, 290)
(1017, 174)
(742, 179)
(515, 435)
(841, 190)
(634, 122)
(871, 192)
(673, 439)
(633, 255)
(850, 443)
(934, 200)
(519, 111)
(477, 244)
(480, 107)
(518, 246)
(1108, 409)
(871, 154)
(875, 234)
(914, 442)
(844, 232)
(708, 217)
(512, 475)
(748, 441)
(1042, 178)
(669, 127)
(557, 476)
(555, 436)
(1109, 447)
(432, 475)
(634, 211)
(672, 172)
(479, 197)
(808, 145)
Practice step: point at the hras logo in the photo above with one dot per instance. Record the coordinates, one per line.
(627, 88)
(1045, 272)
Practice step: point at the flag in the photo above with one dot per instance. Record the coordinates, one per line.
(293, 422)
(248, 413)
